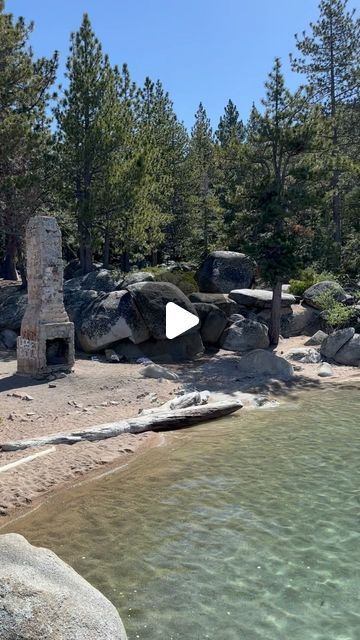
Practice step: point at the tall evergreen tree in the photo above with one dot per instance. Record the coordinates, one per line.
(230, 127)
(277, 190)
(25, 140)
(89, 134)
(230, 151)
(162, 141)
(206, 213)
(330, 59)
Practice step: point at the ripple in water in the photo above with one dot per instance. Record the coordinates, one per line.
(243, 529)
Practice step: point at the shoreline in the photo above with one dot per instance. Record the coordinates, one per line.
(29, 486)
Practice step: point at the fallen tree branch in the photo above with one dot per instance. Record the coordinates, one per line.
(161, 421)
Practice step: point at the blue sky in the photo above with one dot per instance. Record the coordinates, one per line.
(208, 50)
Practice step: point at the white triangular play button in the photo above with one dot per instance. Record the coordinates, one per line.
(178, 320)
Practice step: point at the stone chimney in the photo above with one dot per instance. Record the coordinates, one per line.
(46, 341)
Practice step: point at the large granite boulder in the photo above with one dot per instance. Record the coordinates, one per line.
(111, 317)
(101, 280)
(349, 354)
(260, 363)
(213, 325)
(78, 304)
(220, 300)
(151, 299)
(312, 294)
(42, 598)
(259, 298)
(245, 335)
(335, 341)
(223, 271)
(303, 320)
(8, 338)
(13, 303)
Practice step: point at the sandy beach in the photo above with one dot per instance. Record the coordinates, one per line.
(98, 392)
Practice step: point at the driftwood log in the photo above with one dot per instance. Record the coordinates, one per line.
(161, 421)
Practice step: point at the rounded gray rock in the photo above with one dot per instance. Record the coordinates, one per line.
(261, 363)
(244, 336)
(222, 271)
(42, 598)
(312, 294)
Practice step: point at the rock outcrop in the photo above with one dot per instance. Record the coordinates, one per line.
(302, 320)
(312, 294)
(333, 343)
(42, 598)
(349, 354)
(222, 271)
(111, 317)
(245, 335)
(259, 298)
(101, 280)
(151, 299)
(220, 300)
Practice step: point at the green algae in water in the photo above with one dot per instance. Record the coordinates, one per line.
(243, 529)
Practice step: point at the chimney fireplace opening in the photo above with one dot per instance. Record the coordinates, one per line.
(57, 351)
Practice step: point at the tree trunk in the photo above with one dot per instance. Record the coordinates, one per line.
(125, 261)
(336, 206)
(9, 266)
(154, 260)
(106, 251)
(275, 318)
(86, 256)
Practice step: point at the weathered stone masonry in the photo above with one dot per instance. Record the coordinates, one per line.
(46, 341)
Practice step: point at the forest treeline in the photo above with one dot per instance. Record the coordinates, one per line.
(127, 181)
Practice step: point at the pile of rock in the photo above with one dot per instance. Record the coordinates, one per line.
(128, 313)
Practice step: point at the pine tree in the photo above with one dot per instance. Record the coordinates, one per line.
(89, 135)
(277, 186)
(230, 127)
(330, 59)
(206, 213)
(25, 140)
(230, 153)
(162, 142)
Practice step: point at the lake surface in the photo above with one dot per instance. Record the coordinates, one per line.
(242, 529)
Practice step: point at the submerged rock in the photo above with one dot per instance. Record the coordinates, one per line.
(42, 598)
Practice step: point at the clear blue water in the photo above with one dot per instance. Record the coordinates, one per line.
(243, 529)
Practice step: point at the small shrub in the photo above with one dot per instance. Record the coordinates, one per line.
(308, 277)
(184, 280)
(337, 314)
